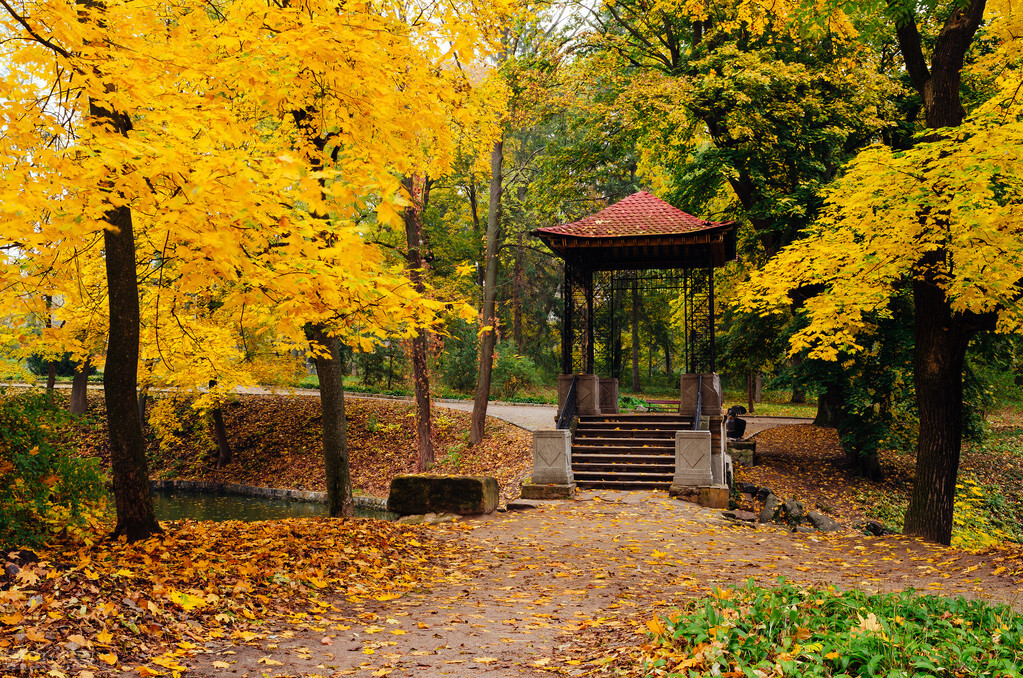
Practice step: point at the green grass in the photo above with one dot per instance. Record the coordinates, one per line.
(790, 630)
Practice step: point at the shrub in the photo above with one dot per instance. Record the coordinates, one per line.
(512, 373)
(789, 630)
(458, 362)
(43, 486)
(66, 367)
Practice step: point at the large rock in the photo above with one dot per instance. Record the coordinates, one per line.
(823, 522)
(464, 495)
(770, 511)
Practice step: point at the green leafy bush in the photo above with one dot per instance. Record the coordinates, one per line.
(512, 373)
(65, 367)
(43, 486)
(788, 630)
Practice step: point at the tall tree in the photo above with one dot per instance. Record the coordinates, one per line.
(939, 219)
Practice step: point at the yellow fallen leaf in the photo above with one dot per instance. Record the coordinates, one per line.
(15, 618)
(35, 635)
(269, 661)
(221, 665)
(104, 637)
(110, 658)
(146, 671)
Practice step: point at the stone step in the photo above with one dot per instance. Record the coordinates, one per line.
(624, 442)
(605, 456)
(674, 419)
(627, 432)
(617, 469)
(607, 484)
(601, 453)
(584, 476)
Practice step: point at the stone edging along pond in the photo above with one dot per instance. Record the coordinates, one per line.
(210, 487)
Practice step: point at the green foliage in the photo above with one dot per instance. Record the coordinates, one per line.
(629, 402)
(44, 487)
(983, 515)
(66, 367)
(512, 373)
(789, 630)
(458, 366)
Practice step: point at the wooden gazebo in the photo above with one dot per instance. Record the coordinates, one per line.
(639, 238)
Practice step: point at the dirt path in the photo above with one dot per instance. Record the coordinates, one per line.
(560, 586)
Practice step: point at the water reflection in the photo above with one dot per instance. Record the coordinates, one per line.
(180, 504)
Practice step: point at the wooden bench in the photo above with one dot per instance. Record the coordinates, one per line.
(663, 405)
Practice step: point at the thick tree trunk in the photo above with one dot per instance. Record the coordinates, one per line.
(135, 517)
(79, 390)
(829, 407)
(751, 396)
(941, 335)
(479, 408)
(332, 409)
(418, 346)
(940, 349)
(129, 470)
(635, 336)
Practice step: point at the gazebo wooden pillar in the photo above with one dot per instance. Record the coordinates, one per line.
(632, 238)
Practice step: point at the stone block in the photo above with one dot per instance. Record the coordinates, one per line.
(464, 495)
(587, 393)
(608, 396)
(713, 497)
(692, 459)
(712, 394)
(533, 491)
(552, 457)
(744, 453)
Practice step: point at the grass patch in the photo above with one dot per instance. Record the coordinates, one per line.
(789, 630)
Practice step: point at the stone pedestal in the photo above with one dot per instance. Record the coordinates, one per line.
(692, 459)
(587, 392)
(712, 394)
(552, 457)
(608, 396)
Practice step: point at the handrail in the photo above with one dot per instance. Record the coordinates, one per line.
(569, 409)
(699, 402)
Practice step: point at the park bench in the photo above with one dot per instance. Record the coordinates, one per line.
(663, 405)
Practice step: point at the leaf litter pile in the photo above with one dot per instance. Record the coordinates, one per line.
(275, 441)
(92, 607)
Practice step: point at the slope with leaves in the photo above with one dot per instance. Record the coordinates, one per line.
(94, 606)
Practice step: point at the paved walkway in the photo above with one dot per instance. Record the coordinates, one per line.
(524, 415)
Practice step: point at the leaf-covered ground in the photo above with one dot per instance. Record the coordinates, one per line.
(275, 441)
(568, 588)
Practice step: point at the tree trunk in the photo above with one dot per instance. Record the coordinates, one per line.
(751, 398)
(798, 392)
(941, 335)
(940, 349)
(220, 433)
(51, 366)
(517, 288)
(635, 336)
(79, 389)
(479, 408)
(829, 407)
(412, 217)
(135, 517)
(332, 409)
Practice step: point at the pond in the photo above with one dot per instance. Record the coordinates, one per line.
(180, 504)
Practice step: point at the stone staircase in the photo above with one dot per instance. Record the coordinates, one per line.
(626, 451)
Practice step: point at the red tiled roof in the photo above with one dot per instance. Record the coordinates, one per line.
(640, 214)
